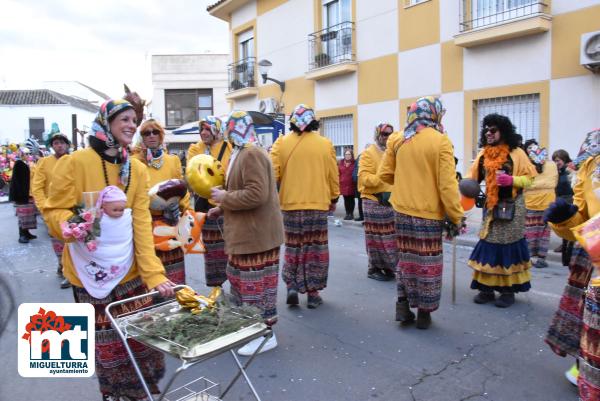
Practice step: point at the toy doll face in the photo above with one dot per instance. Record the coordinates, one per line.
(114, 209)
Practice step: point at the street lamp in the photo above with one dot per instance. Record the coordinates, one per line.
(263, 67)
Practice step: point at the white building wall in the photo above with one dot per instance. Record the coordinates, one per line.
(376, 28)
(284, 45)
(420, 72)
(246, 103)
(508, 62)
(574, 111)
(369, 115)
(454, 122)
(14, 120)
(336, 92)
(564, 6)
(449, 19)
(245, 13)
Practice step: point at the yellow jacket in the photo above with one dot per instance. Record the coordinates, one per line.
(40, 185)
(368, 181)
(422, 172)
(306, 169)
(542, 192)
(584, 198)
(171, 169)
(215, 149)
(82, 172)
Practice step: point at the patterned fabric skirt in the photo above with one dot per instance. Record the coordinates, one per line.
(380, 236)
(589, 362)
(564, 333)
(253, 279)
(114, 370)
(306, 264)
(537, 233)
(215, 260)
(58, 246)
(172, 260)
(26, 215)
(420, 261)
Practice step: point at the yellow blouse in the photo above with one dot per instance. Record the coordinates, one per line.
(368, 181)
(40, 186)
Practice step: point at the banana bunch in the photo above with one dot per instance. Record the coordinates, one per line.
(196, 303)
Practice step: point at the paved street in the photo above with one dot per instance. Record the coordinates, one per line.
(350, 348)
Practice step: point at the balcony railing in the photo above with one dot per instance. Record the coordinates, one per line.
(241, 74)
(476, 14)
(331, 45)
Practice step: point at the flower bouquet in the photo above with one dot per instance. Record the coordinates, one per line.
(84, 226)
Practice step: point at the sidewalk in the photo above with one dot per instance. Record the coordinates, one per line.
(469, 239)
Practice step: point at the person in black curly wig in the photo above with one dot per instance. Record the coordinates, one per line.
(497, 128)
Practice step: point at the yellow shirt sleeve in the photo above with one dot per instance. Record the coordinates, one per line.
(38, 186)
(61, 199)
(275, 159)
(447, 184)
(333, 173)
(387, 169)
(184, 203)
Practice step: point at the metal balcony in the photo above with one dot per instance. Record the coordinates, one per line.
(475, 14)
(330, 46)
(241, 74)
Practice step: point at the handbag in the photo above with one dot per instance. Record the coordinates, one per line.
(383, 198)
(504, 210)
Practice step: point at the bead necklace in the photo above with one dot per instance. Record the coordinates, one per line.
(106, 176)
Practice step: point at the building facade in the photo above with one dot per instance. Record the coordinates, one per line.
(187, 87)
(359, 62)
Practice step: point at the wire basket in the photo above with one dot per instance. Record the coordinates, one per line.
(201, 389)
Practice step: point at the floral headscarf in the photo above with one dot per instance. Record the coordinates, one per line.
(102, 139)
(153, 157)
(425, 112)
(240, 129)
(378, 130)
(214, 125)
(302, 116)
(538, 155)
(589, 148)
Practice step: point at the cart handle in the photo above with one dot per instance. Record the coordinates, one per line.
(126, 300)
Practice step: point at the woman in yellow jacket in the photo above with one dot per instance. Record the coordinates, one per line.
(574, 329)
(161, 166)
(106, 162)
(306, 169)
(212, 143)
(380, 231)
(537, 198)
(419, 164)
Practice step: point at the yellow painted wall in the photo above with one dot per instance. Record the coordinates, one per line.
(418, 25)
(566, 36)
(297, 90)
(378, 79)
(452, 67)
(341, 111)
(263, 6)
(472, 132)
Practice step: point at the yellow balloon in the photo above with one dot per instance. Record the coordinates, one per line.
(204, 172)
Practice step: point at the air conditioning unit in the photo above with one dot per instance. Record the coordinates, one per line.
(268, 106)
(590, 51)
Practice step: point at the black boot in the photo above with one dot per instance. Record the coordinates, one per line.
(505, 300)
(483, 297)
(403, 312)
(29, 235)
(292, 296)
(423, 320)
(23, 239)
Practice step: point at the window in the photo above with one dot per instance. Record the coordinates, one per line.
(187, 105)
(340, 132)
(245, 44)
(36, 128)
(336, 36)
(408, 3)
(489, 12)
(523, 111)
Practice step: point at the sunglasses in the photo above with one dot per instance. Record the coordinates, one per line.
(151, 132)
(492, 130)
(384, 133)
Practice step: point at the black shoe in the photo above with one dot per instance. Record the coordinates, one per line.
(59, 272)
(403, 312)
(29, 235)
(483, 297)
(540, 264)
(23, 240)
(292, 297)
(314, 301)
(377, 275)
(349, 217)
(359, 219)
(389, 275)
(65, 284)
(505, 300)
(423, 320)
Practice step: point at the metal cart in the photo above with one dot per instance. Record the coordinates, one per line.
(200, 389)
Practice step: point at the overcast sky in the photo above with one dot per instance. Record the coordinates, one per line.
(100, 43)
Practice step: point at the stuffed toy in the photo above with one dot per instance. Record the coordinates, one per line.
(166, 193)
(204, 172)
(187, 234)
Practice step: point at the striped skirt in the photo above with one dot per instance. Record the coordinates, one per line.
(215, 260)
(537, 233)
(116, 374)
(306, 265)
(564, 333)
(253, 279)
(380, 236)
(420, 261)
(58, 246)
(26, 214)
(589, 362)
(172, 260)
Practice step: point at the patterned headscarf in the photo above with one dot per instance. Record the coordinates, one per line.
(215, 126)
(153, 157)
(101, 132)
(425, 112)
(589, 148)
(302, 116)
(538, 155)
(378, 130)
(240, 129)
